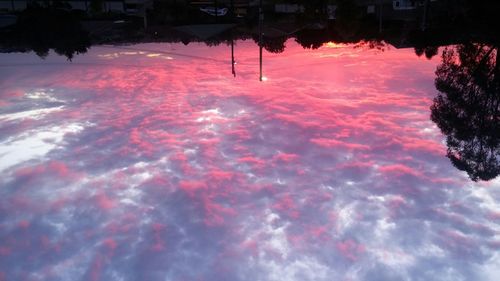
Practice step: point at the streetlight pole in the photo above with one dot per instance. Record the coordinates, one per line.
(232, 57)
(261, 19)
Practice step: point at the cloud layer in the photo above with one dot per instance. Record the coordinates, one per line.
(150, 163)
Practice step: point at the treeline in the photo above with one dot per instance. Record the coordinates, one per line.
(40, 29)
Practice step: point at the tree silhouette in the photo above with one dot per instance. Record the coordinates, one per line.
(429, 51)
(41, 29)
(467, 108)
(312, 38)
(274, 45)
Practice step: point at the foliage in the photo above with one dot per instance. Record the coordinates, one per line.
(467, 108)
(429, 51)
(272, 44)
(41, 29)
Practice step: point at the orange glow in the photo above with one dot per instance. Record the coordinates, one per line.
(334, 45)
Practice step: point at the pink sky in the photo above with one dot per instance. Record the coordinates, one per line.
(147, 162)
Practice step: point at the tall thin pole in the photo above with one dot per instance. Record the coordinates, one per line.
(261, 19)
(232, 57)
(260, 63)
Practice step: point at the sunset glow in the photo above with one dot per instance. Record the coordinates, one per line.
(335, 45)
(147, 162)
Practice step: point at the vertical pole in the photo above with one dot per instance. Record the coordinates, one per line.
(261, 19)
(260, 63)
(232, 57)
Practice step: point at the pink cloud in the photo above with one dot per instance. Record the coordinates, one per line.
(192, 186)
(456, 238)
(255, 162)
(399, 170)
(332, 143)
(364, 106)
(251, 246)
(285, 157)
(110, 244)
(55, 168)
(494, 215)
(104, 202)
(216, 175)
(286, 205)
(215, 213)
(350, 249)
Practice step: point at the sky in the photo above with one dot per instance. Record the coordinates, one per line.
(152, 162)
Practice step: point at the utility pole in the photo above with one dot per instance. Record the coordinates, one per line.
(233, 70)
(261, 19)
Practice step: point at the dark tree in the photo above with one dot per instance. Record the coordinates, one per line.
(312, 39)
(40, 29)
(429, 52)
(274, 45)
(467, 108)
